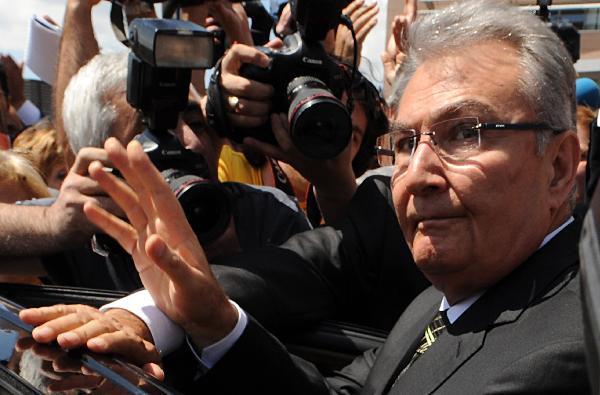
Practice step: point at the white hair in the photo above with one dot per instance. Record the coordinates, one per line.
(88, 113)
(547, 79)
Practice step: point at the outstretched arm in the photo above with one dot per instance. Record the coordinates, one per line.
(394, 54)
(77, 46)
(39, 230)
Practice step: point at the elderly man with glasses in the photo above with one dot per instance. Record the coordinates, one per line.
(485, 157)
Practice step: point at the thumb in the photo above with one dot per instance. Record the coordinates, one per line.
(276, 43)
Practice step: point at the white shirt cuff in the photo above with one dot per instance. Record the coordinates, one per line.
(167, 335)
(29, 113)
(212, 354)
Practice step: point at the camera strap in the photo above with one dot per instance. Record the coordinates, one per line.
(215, 103)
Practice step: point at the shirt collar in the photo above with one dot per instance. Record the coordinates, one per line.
(456, 310)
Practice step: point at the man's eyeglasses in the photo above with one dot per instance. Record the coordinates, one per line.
(454, 139)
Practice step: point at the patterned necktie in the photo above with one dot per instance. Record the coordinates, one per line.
(435, 328)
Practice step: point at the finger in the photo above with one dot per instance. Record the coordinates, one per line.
(365, 30)
(360, 12)
(81, 334)
(353, 6)
(367, 17)
(401, 24)
(83, 185)
(276, 43)
(122, 194)
(242, 87)
(239, 54)
(40, 315)
(87, 155)
(247, 121)
(118, 155)
(130, 346)
(176, 228)
(410, 9)
(53, 329)
(116, 228)
(154, 370)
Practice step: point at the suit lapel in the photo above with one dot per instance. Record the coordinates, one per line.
(402, 342)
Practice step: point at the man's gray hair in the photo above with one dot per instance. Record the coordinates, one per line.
(548, 78)
(88, 113)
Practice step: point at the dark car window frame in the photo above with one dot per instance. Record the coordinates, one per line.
(8, 313)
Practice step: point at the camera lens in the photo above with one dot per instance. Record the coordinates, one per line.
(207, 205)
(320, 124)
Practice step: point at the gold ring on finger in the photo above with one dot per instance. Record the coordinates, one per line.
(234, 103)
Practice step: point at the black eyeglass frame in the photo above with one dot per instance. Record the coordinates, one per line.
(499, 126)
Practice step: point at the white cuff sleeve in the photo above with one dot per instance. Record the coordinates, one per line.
(167, 335)
(29, 113)
(212, 354)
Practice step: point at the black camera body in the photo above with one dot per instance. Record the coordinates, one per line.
(308, 85)
(163, 53)
(327, 133)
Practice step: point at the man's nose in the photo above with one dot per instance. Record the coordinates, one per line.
(425, 172)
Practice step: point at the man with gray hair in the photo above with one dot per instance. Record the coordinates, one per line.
(485, 154)
(98, 91)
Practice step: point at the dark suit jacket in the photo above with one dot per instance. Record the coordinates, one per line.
(524, 335)
(360, 271)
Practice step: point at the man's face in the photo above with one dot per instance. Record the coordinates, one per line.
(468, 224)
(128, 123)
(359, 128)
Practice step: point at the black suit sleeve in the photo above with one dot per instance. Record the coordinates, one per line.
(259, 364)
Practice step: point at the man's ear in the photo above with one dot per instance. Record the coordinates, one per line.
(564, 156)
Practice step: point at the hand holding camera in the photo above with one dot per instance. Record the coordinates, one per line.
(248, 101)
(307, 83)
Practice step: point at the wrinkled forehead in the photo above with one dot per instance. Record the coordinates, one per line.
(481, 81)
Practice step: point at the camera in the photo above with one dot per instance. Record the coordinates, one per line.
(308, 86)
(163, 53)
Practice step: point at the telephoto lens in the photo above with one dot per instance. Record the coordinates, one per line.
(320, 124)
(207, 205)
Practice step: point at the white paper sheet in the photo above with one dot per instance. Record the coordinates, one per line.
(43, 43)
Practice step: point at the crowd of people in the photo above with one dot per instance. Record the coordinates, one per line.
(450, 220)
